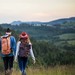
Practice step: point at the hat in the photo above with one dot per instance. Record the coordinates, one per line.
(8, 30)
(23, 35)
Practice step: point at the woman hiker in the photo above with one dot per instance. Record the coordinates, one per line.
(24, 48)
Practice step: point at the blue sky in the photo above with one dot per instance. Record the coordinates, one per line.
(35, 10)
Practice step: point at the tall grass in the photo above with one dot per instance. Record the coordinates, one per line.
(57, 70)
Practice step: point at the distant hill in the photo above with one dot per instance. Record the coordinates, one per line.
(16, 23)
(58, 21)
(30, 23)
(45, 30)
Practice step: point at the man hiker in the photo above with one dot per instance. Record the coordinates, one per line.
(8, 49)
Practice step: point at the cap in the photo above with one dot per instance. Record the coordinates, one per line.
(23, 35)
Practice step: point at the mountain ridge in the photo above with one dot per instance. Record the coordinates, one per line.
(57, 21)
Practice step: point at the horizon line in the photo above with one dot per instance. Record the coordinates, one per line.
(39, 20)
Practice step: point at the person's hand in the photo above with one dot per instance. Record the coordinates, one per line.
(15, 60)
(34, 61)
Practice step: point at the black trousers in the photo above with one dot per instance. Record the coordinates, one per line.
(8, 62)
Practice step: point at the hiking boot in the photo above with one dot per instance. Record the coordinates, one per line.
(23, 73)
(7, 72)
(10, 72)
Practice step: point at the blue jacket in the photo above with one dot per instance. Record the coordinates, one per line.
(13, 47)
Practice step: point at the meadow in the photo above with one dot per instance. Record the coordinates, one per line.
(57, 70)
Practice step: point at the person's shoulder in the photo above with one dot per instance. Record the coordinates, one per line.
(19, 42)
(4, 36)
(12, 37)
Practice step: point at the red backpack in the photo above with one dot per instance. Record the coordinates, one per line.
(5, 42)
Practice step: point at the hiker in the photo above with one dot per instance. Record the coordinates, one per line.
(24, 48)
(8, 49)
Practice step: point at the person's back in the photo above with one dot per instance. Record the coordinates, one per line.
(8, 49)
(24, 48)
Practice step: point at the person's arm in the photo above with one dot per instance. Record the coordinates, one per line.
(32, 54)
(13, 44)
(17, 50)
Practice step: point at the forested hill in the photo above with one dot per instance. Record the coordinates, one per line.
(44, 32)
(52, 44)
(57, 21)
(56, 33)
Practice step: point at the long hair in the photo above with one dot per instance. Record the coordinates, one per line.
(28, 40)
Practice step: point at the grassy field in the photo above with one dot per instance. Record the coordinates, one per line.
(57, 70)
(67, 36)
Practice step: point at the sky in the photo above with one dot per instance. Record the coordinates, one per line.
(35, 10)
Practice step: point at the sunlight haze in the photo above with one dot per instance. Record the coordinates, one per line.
(35, 10)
